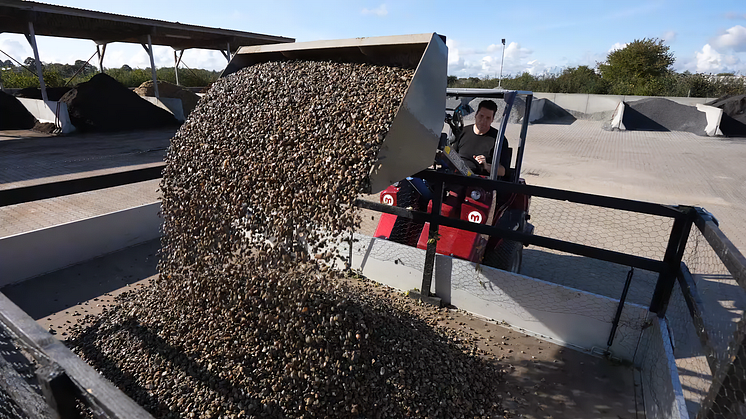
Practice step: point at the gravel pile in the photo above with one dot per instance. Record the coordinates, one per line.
(658, 114)
(552, 113)
(733, 122)
(13, 115)
(104, 104)
(188, 98)
(244, 322)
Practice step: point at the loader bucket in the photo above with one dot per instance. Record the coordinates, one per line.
(413, 137)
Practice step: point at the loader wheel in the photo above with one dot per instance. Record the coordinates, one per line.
(506, 256)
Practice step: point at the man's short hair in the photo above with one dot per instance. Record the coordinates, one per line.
(489, 105)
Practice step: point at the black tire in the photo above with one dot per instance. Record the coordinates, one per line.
(507, 256)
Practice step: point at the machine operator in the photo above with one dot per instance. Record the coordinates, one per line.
(476, 144)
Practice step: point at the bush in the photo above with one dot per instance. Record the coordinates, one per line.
(584, 80)
(21, 79)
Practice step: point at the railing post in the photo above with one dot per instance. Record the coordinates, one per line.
(674, 253)
(432, 243)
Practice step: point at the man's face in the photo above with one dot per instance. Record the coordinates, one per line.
(484, 119)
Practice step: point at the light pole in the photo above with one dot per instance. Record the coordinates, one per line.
(500, 80)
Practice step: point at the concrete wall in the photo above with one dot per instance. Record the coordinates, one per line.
(170, 104)
(50, 112)
(49, 249)
(588, 103)
(561, 314)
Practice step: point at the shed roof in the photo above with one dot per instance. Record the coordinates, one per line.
(69, 22)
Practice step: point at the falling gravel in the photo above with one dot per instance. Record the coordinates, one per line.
(246, 318)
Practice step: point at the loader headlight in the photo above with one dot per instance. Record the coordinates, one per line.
(476, 194)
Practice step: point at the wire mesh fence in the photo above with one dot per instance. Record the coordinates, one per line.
(18, 375)
(706, 340)
(605, 228)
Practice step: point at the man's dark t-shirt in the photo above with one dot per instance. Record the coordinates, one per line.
(470, 144)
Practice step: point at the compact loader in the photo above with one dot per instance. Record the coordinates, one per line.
(415, 142)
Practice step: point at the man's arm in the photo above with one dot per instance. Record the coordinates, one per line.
(488, 167)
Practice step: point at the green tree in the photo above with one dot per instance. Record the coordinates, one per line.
(581, 79)
(639, 68)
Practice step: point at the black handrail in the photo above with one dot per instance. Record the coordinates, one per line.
(564, 246)
(73, 186)
(557, 194)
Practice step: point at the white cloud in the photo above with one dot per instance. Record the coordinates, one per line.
(486, 62)
(15, 48)
(455, 60)
(735, 16)
(733, 38)
(379, 11)
(708, 60)
(617, 46)
(669, 36)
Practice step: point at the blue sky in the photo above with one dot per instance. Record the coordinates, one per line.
(541, 36)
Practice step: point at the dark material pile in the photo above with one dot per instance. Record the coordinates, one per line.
(733, 122)
(658, 114)
(13, 115)
(188, 98)
(104, 104)
(53, 93)
(243, 321)
(551, 113)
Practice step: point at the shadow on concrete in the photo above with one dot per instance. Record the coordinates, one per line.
(588, 274)
(57, 291)
(575, 385)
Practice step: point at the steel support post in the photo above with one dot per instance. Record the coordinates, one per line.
(149, 49)
(509, 100)
(177, 60)
(31, 37)
(674, 253)
(432, 244)
(101, 50)
(524, 130)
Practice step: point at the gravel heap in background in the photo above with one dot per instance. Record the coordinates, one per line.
(658, 114)
(53, 93)
(104, 104)
(188, 98)
(242, 321)
(13, 115)
(733, 122)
